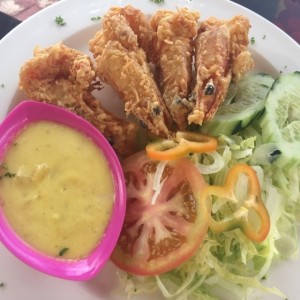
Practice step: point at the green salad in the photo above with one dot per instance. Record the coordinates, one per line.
(258, 124)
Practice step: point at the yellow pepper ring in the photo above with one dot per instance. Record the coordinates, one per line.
(197, 142)
(185, 142)
(253, 201)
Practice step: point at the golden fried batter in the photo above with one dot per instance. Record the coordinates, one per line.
(126, 50)
(116, 28)
(121, 134)
(173, 53)
(239, 27)
(97, 43)
(242, 61)
(128, 73)
(63, 76)
(57, 74)
(221, 55)
(121, 63)
(138, 22)
(213, 74)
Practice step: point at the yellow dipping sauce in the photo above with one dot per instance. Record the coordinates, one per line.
(56, 189)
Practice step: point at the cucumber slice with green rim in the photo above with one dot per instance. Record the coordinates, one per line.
(231, 92)
(281, 120)
(265, 154)
(243, 103)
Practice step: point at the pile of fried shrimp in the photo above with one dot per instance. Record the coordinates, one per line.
(170, 70)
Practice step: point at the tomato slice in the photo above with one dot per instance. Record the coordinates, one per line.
(159, 235)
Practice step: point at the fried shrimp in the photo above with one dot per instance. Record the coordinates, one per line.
(128, 74)
(221, 56)
(139, 24)
(238, 27)
(173, 54)
(120, 133)
(64, 77)
(242, 61)
(122, 63)
(149, 63)
(57, 74)
(213, 73)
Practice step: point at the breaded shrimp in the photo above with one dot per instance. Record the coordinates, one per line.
(64, 77)
(122, 63)
(221, 56)
(175, 32)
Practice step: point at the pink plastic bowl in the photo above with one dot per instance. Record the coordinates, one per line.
(86, 268)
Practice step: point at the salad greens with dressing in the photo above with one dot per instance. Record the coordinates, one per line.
(261, 121)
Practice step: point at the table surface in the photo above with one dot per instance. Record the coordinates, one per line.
(283, 13)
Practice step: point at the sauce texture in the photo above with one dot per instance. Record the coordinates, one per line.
(56, 190)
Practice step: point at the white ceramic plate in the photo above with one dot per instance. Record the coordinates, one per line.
(273, 52)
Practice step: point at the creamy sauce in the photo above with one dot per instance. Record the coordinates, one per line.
(58, 190)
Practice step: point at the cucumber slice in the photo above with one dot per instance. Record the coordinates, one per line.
(265, 154)
(243, 103)
(231, 92)
(281, 120)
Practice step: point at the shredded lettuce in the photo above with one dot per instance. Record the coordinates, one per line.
(229, 265)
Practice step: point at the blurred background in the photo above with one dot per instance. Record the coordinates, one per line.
(284, 13)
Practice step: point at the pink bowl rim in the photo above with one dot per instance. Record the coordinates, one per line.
(83, 269)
